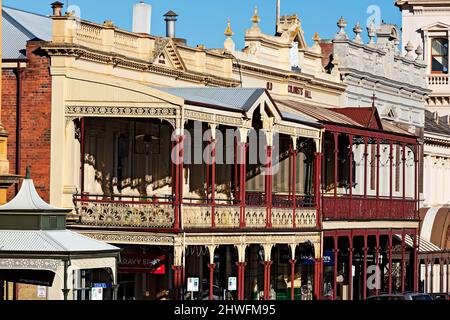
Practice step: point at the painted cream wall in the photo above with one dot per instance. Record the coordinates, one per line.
(420, 24)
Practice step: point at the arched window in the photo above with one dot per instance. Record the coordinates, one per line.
(439, 55)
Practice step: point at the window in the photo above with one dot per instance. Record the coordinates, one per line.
(439, 56)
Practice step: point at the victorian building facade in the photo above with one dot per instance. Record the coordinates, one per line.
(426, 24)
(121, 109)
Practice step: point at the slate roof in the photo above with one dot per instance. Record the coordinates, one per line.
(21, 26)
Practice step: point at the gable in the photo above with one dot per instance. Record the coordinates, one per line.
(166, 54)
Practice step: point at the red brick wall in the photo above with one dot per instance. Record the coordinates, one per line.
(327, 50)
(36, 118)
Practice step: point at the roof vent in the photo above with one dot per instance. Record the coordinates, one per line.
(171, 19)
(57, 8)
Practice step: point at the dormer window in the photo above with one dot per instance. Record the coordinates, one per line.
(439, 55)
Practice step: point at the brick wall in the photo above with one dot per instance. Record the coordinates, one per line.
(36, 118)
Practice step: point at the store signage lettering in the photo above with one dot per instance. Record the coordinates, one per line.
(151, 264)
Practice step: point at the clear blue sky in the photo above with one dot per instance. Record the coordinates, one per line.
(203, 21)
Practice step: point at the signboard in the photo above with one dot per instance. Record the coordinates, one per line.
(100, 285)
(96, 294)
(193, 284)
(153, 263)
(328, 258)
(232, 284)
(41, 292)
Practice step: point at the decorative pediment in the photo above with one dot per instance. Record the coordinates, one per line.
(166, 54)
(267, 108)
(436, 26)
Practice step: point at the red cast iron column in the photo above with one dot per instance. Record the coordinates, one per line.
(350, 261)
(403, 261)
(317, 184)
(336, 252)
(82, 155)
(213, 183)
(211, 280)
(292, 262)
(390, 262)
(377, 262)
(269, 187)
(350, 138)
(391, 175)
(336, 177)
(365, 268)
(378, 214)
(241, 279)
(404, 177)
(294, 187)
(366, 154)
(243, 178)
(267, 265)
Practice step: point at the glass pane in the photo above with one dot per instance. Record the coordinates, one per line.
(440, 47)
(440, 64)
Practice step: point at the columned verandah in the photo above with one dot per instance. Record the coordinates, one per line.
(262, 271)
(369, 175)
(381, 262)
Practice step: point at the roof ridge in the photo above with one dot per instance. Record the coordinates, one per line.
(46, 237)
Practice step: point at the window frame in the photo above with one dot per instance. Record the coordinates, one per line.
(436, 55)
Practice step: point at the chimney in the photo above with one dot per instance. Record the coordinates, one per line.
(142, 18)
(278, 15)
(171, 19)
(57, 8)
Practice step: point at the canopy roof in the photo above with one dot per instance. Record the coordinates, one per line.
(30, 225)
(235, 100)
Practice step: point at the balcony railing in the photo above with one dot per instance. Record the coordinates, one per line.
(438, 80)
(125, 211)
(368, 208)
(159, 213)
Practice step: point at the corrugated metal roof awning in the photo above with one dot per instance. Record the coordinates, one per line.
(424, 245)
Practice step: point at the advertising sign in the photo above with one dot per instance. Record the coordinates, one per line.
(143, 263)
(328, 258)
(193, 284)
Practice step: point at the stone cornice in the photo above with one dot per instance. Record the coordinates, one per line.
(284, 75)
(117, 60)
(386, 81)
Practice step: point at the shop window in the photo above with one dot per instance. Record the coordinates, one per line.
(439, 55)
